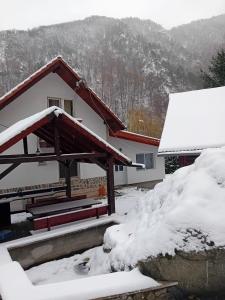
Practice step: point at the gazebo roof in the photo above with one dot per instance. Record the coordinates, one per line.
(73, 137)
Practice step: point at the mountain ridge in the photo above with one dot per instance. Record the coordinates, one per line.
(131, 63)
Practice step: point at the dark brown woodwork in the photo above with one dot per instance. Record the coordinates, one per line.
(5, 218)
(39, 158)
(56, 138)
(8, 170)
(25, 145)
(68, 180)
(110, 186)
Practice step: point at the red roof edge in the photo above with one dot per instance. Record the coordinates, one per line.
(59, 66)
(135, 137)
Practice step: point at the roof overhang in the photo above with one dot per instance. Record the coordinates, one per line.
(135, 137)
(180, 153)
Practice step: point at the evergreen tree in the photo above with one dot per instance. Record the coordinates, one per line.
(215, 76)
(171, 164)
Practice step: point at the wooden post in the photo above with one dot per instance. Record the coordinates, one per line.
(5, 218)
(68, 179)
(110, 186)
(8, 170)
(25, 145)
(56, 139)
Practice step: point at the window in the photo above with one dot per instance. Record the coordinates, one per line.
(53, 101)
(73, 169)
(118, 168)
(68, 106)
(145, 158)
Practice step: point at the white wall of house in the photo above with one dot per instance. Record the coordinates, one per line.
(31, 102)
(132, 175)
(92, 120)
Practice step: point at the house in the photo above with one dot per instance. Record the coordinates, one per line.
(57, 84)
(194, 121)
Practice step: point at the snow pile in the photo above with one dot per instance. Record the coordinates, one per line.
(89, 263)
(184, 212)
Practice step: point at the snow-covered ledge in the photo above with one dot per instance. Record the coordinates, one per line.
(12, 272)
(14, 284)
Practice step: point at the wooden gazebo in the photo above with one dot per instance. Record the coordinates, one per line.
(71, 141)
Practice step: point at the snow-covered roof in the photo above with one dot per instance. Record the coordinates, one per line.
(194, 121)
(31, 124)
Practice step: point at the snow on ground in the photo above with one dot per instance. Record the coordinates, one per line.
(19, 217)
(74, 267)
(94, 261)
(83, 288)
(184, 212)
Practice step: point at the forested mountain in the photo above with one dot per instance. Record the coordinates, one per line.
(202, 38)
(132, 64)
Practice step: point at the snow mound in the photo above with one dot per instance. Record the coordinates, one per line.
(184, 212)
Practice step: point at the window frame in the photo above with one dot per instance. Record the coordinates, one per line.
(119, 168)
(63, 100)
(54, 99)
(144, 161)
(61, 103)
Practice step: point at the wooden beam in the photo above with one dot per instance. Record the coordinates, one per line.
(8, 170)
(56, 138)
(62, 157)
(25, 155)
(25, 145)
(5, 219)
(68, 179)
(100, 164)
(110, 186)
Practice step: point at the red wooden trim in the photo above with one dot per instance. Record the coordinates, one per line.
(134, 137)
(25, 133)
(59, 66)
(60, 219)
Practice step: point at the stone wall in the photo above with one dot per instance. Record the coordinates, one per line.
(165, 292)
(201, 273)
(79, 186)
(58, 246)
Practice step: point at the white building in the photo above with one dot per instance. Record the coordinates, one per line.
(57, 84)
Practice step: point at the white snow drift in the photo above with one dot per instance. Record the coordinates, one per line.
(184, 212)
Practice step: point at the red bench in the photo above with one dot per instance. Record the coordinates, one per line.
(64, 218)
(47, 201)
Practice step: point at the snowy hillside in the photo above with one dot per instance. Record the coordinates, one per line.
(129, 62)
(202, 38)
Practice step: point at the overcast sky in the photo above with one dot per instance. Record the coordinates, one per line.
(24, 14)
